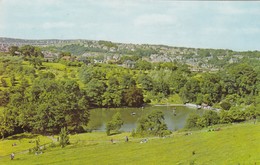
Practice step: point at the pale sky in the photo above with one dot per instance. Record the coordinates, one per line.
(199, 24)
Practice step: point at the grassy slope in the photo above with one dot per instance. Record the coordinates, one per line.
(22, 143)
(232, 145)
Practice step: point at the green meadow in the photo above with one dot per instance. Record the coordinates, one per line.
(232, 144)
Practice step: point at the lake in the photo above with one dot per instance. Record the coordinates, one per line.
(175, 117)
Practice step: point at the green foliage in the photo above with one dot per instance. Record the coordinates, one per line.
(112, 97)
(46, 106)
(207, 119)
(46, 75)
(62, 54)
(75, 49)
(146, 82)
(127, 81)
(31, 54)
(37, 149)
(38, 97)
(94, 91)
(3, 82)
(4, 97)
(190, 90)
(167, 66)
(12, 80)
(152, 124)
(252, 112)
(143, 65)
(64, 137)
(211, 118)
(133, 97)
(237, 114)
(108, 44)
(13, 50)
(115, 124)
(191, 121)
(225, 117)
(225, 105)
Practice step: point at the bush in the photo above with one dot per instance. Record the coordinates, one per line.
(237, 115)
(251, 112)
(191, 121)
(225, 105)
(211, 118)
(165, 133)
(207, 119)
(201, 122)
(133, 133)
(64, 137)
(52, 145)
(225, 117)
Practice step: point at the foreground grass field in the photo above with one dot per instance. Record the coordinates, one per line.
(234, 144)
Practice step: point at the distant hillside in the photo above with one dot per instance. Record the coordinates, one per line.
(197, 58)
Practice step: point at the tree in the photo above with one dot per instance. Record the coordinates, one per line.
(115, 124)
(36, 62)
(225, 105)
(62, 54)
(190, 90)
(191, 121)
(237, 114)
(31, 51)
(201, 122)
(143, 65)
(146, 82)
(13, 50)
(12, 80)
(133, 97)
(4, 83)
(152, 124)
(64, 137)
(252, 112)
(225, 117)
(127, 81)
(6, 127)
(32, 54)
(113, 94)
(94, 91)
(48, 105)
(211, 118)
(4, 97)
(176, 81)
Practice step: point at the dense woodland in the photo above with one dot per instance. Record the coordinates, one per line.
(43, 97)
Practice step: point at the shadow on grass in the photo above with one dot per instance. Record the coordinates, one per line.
(21, 136)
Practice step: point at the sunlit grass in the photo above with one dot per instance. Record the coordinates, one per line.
(23, 142)
(235, 144)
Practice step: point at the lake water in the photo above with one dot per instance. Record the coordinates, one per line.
(175, 117)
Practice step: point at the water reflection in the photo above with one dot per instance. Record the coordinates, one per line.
(175, 117)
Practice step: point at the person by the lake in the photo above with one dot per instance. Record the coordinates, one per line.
(12, 156)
